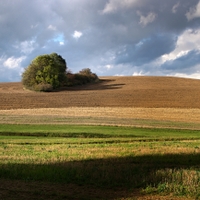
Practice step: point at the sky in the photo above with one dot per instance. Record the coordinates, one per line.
(111, 37)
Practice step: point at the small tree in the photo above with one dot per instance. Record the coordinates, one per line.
(88, 76)
(86, 72)
(46, 72)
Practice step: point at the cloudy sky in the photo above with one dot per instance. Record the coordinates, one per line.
(111, 37)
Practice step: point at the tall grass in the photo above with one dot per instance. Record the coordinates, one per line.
(181, 182)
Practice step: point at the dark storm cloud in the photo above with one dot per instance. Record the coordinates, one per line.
(147, 49)
(109, 36)
(183, 63)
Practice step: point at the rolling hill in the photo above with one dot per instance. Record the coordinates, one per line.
(145, 92)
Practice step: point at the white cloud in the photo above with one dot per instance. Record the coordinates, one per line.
(188, 41)
(140, 73)
(144, 20)
(11, 69)
(175, 8)
(115, 5)
(193, 75)
(51, 27)
(61, 43)
(13, 62)
(77, 34)
(194, 12)
(27, 46)
(109, 67)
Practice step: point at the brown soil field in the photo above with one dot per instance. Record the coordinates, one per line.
(145, 92)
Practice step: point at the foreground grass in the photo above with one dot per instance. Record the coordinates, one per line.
(157, 160)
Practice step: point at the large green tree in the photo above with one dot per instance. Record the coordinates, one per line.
(46, 72)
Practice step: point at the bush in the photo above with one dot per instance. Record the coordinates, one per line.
(42, 87)
(81, 79)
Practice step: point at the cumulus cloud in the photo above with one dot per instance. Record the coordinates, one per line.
(189, 40)
(26, 47)
(115, 5)
(144, 20)
(77, 34)
(13, 62)
(11, 69)
(112, 37)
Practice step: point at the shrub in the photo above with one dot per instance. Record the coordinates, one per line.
(42, 87)
(83, 77)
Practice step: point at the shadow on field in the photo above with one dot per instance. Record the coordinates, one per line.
(110, 178)
(104, 84)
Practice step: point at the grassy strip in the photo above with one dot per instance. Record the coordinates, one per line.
(94, 131)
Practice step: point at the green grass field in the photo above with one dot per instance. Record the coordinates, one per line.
(162, 161)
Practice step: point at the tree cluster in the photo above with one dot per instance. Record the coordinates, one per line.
(49, 72)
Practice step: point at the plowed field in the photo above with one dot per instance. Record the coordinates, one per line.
(146, 92)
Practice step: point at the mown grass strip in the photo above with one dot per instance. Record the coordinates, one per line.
(94, 131)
